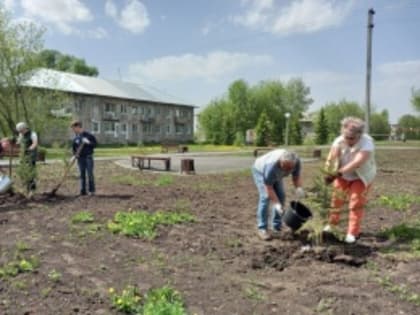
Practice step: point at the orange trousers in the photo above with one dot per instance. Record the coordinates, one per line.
(355, 192)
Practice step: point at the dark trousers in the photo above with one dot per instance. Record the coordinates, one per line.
(86, 164)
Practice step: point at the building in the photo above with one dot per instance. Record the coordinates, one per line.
(118, 112)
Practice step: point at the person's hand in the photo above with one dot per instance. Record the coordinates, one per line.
(278, 208)
(300, 193)
(72, 159)
(85, 140)
(330, 178)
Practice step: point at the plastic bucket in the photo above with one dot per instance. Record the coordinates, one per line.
(296, 215)
(5, 183)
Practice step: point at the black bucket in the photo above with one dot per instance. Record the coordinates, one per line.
(296, 215)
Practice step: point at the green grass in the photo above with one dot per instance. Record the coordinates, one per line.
(399, 202)
(143, 224)
(83, 217)
(158, 301)
(19, 265)
(405, 237)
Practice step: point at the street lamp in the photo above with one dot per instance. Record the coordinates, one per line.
(287, 116)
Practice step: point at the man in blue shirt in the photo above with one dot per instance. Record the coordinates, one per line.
(84, 144)
(268, 172)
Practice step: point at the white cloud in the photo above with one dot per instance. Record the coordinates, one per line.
(9, 4)
(132, 17)
(300, 16)
(190, 66)
(97, 33)
(61, 13)
(409, 69)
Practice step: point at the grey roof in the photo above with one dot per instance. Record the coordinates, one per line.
(74, 83)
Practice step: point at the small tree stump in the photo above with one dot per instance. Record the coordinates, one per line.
(187, 166)
(317, 153)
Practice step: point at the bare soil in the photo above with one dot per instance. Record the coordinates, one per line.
(217, 263)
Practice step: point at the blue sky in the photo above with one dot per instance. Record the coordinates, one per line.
(193, 49)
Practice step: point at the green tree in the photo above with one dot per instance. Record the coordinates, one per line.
(321, 128)
(379, 125)
(415, 99)
(335, 112)
(263, 130)
(20, 45)
(295, 132)
(53, 59)
(410, 126)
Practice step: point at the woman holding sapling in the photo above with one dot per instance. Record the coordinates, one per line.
(351, 169)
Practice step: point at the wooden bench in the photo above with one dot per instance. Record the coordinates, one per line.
(180, 148)
(259, 150)
(139, 161)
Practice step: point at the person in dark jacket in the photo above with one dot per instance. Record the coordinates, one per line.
(28, 141)
(84, 144)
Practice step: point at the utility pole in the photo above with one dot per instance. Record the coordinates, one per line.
(371, 12)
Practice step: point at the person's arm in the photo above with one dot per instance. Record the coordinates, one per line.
(360, 158)
(333, 156)
(34, 139)
(271, 194)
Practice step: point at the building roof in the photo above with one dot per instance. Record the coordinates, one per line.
(80, 84)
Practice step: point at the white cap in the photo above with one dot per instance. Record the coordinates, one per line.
(21, 126)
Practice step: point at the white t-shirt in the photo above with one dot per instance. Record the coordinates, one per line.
(348, 153)
(34, 137)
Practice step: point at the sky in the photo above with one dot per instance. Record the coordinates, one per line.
(194, 49)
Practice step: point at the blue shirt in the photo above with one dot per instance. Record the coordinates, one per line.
(269, 167)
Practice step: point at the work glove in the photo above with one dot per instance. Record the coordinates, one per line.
(300, 193)
(330, 178)
(85, 140)
(278, 208)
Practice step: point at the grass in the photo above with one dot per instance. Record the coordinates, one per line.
(17, 266)
(402, 291)
(83, 217)
(143, 224)
(158, 301)
(405, 237)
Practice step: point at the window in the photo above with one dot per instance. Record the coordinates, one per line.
(109, 126)
(179, 129)
(147, 128)
(109, 108)
(168, 129)
(134, 128)
(123, 128)
(123, 108)
(96, 128)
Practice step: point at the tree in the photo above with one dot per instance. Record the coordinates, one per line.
(379, 125)
(415, 99)
(410, 126)
(263, 130)
(335, 112)
(295, 133)
(321, 128)
(20, 45)
(53, 59)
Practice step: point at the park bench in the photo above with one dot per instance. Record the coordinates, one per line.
(139, 161)
(173, 146)
(257, 151)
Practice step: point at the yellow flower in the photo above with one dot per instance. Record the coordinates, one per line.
(119, 301)
(111, 290)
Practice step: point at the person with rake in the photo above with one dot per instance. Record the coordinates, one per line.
(84, 144)
(351, 169)
(268, 172)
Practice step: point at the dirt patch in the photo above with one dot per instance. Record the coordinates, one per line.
(217, 262)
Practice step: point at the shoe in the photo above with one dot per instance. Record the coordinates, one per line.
(264, 235)
(350, 239)
(92, 193)
(82, 193)
(275, 233)
(327, 228)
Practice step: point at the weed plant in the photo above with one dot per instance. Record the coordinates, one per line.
(143, 224)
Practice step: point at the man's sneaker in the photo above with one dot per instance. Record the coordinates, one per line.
(92, 193)
(264, 235)
(275, 233)
(350, 239)
(327, 228)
